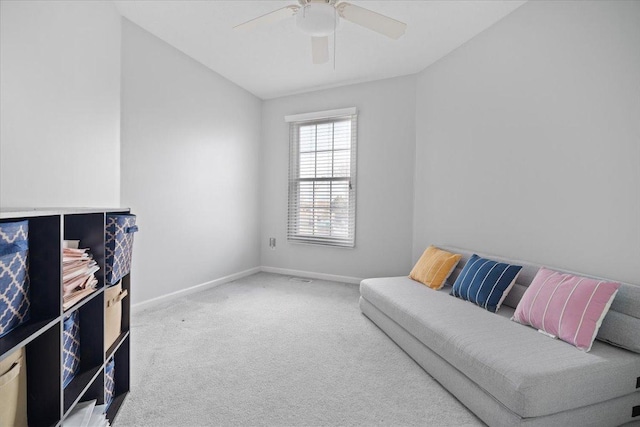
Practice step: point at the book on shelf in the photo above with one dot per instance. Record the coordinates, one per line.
(78, 273)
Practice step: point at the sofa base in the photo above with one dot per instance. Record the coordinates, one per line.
(614, 412)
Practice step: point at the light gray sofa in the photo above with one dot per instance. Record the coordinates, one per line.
(506, 373)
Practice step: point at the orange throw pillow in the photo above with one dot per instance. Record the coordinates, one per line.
(434, 267)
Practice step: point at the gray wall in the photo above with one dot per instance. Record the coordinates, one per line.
(190, 145)
(386, 140)
(528, 140)
(60, 104)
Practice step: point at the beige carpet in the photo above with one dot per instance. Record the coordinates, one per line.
(267, 350)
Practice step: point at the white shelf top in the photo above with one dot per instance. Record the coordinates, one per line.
(6, 213)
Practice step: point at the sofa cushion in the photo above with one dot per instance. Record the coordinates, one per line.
(485, 282)
(434, 267)
(526, 371)
(620, 329)
(621, 325)
(566, 306)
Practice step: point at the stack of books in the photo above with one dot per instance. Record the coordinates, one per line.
(78, 273)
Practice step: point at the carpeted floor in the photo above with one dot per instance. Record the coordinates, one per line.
(267, 350)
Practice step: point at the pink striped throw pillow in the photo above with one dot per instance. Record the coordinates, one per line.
(566, 306)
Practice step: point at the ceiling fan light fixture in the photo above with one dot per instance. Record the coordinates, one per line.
(317, 19)
(321, 18)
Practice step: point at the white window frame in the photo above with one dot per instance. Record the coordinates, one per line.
(294, 233)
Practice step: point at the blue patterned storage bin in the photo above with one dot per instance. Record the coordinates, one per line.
(109, 383)
(118, 246)
(70, 347)
(14, 275)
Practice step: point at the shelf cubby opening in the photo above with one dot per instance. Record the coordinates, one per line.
(23, 335)
(116, 345)
(89, 230)
(125, 319)
(78, 386)
(43, 266)
(91, 349)
(44, 379)
(121, 377)
(93, 392)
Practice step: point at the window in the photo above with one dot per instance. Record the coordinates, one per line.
(322, 178)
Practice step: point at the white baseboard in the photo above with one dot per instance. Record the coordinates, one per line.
(193, 289)
(226, 279)
(311, 274)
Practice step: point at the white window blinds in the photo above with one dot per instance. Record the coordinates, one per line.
(322, 178)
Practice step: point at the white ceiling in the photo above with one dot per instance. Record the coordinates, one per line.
(275, 60)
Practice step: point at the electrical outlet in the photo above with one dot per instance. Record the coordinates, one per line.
(272, 242)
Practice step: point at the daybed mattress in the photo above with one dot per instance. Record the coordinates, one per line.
(529, 373)
(611, 413)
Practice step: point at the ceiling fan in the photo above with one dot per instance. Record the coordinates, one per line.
(320, 18)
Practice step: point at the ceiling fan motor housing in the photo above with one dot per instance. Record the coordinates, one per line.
(317, 19)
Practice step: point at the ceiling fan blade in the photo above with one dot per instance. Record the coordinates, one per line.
(268, 18)
(320, 49)
(371, 20)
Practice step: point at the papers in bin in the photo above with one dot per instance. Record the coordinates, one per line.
(87, 414)
(78, 273)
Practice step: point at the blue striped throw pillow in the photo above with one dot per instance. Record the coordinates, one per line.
(485, 283)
